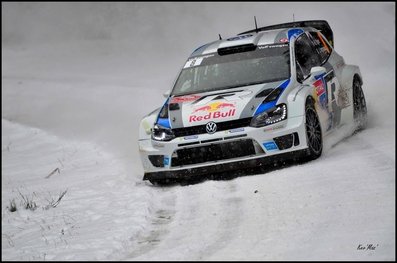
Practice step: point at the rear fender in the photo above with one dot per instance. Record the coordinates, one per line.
(347, 77)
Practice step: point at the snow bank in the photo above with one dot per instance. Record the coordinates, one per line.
(100, 213)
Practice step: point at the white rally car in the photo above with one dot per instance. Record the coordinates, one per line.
(271, 92)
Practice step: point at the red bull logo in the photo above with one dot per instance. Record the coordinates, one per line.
(213, 110)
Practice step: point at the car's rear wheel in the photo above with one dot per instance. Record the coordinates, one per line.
(359, 106)
(313, 131)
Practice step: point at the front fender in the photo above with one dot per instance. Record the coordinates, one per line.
(297, 103)
(297, 100)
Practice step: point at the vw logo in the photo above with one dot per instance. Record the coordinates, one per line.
(211, 127)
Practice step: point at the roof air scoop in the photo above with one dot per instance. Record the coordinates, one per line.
(236, 49)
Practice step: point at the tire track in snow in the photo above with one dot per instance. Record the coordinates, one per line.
(159, 221)
(204, 218)
(228, 218)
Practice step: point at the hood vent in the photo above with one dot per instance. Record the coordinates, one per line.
(264, 93)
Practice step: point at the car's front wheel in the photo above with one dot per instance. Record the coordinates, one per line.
(313, 131)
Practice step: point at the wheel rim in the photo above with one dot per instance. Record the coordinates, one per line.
(313, 131)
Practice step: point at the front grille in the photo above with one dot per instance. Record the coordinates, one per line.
(221, 126)
(213, 152)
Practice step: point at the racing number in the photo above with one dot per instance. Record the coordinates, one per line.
(193, 62)
(334, 109)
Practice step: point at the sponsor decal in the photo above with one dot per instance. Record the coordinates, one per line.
(318, 84)
(191, 137)
(193, 62)
(186, 98)
(270, 146)
(273, 128)
(196, 61)
(272, 46)
(213, 110)
(342, 98)
(321, 92)
(284, 40)
(236, 130)
(166, 161)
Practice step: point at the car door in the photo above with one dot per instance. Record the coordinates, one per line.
(309, 54)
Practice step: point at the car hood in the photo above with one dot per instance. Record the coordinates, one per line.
(217, 106)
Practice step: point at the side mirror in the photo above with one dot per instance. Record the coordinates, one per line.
(315, 71)
(167, 94)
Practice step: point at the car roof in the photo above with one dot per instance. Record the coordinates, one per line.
(269, 35)
(275, 36)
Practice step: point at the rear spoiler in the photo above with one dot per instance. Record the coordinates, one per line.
(320, 25)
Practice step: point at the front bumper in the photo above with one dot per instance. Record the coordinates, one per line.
(222, 167)
(163, 160)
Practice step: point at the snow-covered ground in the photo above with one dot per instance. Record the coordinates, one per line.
(71, 107)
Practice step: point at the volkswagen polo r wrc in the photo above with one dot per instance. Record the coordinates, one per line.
(273, 91)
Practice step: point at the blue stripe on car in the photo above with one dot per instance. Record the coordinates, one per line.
(264, 107)
(284, 84)
(268, 105)
(165, 122)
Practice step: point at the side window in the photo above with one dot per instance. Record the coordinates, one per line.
(322, 47)
(306, 56)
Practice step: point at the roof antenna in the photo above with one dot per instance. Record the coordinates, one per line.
(220, 38)
(293, 17)
(256, 26)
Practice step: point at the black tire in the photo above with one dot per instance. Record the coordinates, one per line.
(359, 106)
(314, 135)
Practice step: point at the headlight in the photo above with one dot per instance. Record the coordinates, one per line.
(273, 115)
(160, 133)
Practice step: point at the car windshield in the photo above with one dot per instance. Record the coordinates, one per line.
(212, 72)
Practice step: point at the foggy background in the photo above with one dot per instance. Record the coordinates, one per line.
(181, 27)
(130, 53)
